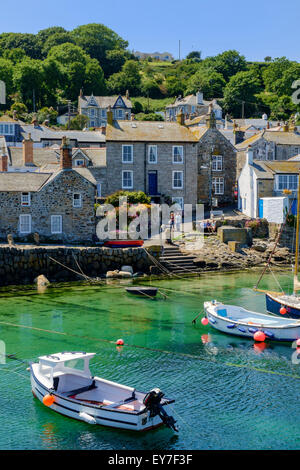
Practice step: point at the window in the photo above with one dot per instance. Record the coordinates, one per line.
(56, 224)
(218, 185)
(119, 113)
(103, 113)
(25, 199)
(92, 123)
(77, 200)
(152, 154)
(79, 162)
(25, 223)
(178, 154)
(287, 182)
(99, 190)
(179, 201)
(127, 154)
(127, 179)
(177, 179)
(92, 112)
(7, 129)
(217, 163)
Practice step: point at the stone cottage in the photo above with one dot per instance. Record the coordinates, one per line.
(192, 106)
(216, 165)
(159, 158)
(58, 205)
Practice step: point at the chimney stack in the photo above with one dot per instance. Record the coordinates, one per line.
(103, 130)
(249, 156)
(28, 151)
(180, 118)
(65, 155)
(81, 93)
(3, 160)
(109, 115)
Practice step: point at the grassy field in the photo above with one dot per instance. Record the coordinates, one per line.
(152, 105)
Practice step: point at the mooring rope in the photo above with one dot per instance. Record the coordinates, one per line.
(175, 353)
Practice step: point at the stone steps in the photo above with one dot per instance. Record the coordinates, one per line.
(177, 262)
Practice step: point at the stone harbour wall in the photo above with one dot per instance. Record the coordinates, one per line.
(22, 264)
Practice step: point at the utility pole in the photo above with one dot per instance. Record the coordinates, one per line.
(69, 113)
(179, 49)
(243, 109)
(33, 100)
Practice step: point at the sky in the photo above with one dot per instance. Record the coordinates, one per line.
(256, 28)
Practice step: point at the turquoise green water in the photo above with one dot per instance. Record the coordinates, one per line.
(229, 394)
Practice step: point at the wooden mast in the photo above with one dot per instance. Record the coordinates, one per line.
(296, 282)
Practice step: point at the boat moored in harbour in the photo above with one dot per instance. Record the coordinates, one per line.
(238, 321)
(63, 382)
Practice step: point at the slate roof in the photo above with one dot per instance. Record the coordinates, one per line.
(25, 181)
(279, 137)
(192, 101)
(149, 131)
(103, 101)
(48, 158)
(267, 169)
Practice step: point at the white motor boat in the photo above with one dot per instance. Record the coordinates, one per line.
(241, 322)
(63, 382)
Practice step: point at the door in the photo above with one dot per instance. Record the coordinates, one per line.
(152, 183)
(261, 209)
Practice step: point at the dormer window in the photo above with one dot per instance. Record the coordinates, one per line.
(25, 199)
(79, 162)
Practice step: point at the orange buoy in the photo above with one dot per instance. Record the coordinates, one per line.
(48, 400)
(259, 336)
(204, 321)
(120, 342)
(283, 311)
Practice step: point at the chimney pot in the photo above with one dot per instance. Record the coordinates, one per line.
(65, 155)
(3, 160)
(28, 151)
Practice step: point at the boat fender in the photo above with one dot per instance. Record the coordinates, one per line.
(231, 326)
(243, 330)
(87, 418)
(269, 334)
(252, 330)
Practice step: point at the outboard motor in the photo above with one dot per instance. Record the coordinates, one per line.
(152, 402)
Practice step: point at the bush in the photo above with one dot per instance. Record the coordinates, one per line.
(133, 197)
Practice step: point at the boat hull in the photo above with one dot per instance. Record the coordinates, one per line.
(138, 421)
(273, 306)
(246, 330)
(142, 291)
(124, 243)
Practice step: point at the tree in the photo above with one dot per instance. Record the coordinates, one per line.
(175, 86)
(149, 117)
(6, 75)
(14, 55)
(194, 55)
(210, 82)
(272, 74)
(28, 79)
(229, 63)
(128, 79)
(116, 58)
(27, 42)
(57, 39)
(96, 39)
(78, 123)
(20, 110)
(242, 88)
(94, 79)
(150, 87)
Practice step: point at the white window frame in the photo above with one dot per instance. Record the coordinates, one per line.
(25, 199)
(178, 200)
(75, 199)
(99, 189)
(218, 185)
(124, 154)
(280, 186)
(21, 223)
(217, 163)
(53, 218)
(180, 154)
(173, 179)
(150, 148)
(126, 186)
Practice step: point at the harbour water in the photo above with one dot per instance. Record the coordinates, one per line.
(230, 393)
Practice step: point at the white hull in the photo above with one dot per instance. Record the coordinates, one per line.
(238, 321)
(105, 415)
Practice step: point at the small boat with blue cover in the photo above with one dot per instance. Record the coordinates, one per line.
(241, 322)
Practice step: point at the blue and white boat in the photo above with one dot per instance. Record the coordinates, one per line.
(64, 383)
(238, 321)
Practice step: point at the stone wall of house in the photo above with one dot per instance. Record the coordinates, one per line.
(55, 198)
(164, 167)
(287, 237)
(21, 265)
(213, 139)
